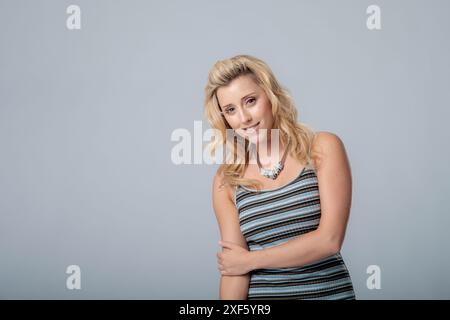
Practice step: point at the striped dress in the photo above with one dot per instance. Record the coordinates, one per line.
(274, 216)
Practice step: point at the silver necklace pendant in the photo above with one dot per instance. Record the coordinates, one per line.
(272, 173)
(275, 171)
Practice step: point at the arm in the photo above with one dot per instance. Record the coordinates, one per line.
(231, 287)
(335, 188)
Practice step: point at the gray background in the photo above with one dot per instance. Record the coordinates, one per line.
(86, 116)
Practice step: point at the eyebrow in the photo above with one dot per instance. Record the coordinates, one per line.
(249, 94)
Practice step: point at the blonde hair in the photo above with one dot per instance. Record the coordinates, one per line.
(283, 110)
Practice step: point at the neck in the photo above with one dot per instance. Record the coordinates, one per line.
(272, 156)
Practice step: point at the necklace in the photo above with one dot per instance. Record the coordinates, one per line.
(275, 171)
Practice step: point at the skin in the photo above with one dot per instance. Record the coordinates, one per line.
(251, 106)
(335, 188)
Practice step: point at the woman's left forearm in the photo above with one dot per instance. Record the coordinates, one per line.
(305, 249)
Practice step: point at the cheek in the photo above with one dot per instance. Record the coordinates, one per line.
(233, 124)
(266, 111)
(269, 106)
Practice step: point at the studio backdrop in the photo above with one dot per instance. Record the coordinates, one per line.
(95, 96)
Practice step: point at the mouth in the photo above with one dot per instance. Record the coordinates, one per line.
(251, 128)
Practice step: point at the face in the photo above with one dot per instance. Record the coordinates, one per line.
(246, 108)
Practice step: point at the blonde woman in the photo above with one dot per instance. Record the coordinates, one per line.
(282, 218)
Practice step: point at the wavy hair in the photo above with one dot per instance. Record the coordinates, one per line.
(283, 110)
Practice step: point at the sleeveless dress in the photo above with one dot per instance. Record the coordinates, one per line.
(274, 216)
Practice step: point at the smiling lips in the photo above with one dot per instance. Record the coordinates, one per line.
(252, 128)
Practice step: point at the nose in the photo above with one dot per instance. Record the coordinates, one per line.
(244, 116)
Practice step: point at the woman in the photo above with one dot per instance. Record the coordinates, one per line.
(283, 217)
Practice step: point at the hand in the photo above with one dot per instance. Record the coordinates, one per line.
(234, 261)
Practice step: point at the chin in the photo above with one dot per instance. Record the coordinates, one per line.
(257, 138)
(252, 140)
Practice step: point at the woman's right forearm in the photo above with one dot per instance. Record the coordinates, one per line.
(234, 287)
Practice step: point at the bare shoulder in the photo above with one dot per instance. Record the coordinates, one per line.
(325, 139)
(328, 147)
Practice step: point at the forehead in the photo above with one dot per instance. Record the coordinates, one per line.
(236, 89)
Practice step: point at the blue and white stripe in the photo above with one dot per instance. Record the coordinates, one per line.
(274, 216)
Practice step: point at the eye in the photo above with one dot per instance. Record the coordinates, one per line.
(251, 100)
(229, 110)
